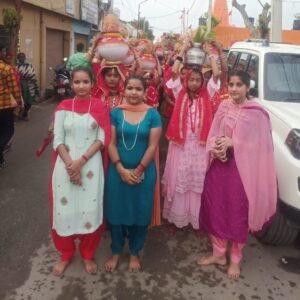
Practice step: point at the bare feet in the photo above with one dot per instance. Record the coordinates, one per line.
(212, 260)
(234, 271)
(90, 266)
(112, 264)
(60, 267)
(134, 264)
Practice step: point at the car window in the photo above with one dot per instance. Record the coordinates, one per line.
(253, 72)
(282, 77)
(243, 62)
(232, 58)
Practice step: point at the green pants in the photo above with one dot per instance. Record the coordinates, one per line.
(135, 234)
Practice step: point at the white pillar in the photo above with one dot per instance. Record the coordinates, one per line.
(276, 21)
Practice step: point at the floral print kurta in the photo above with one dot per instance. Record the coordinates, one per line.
(77, 209)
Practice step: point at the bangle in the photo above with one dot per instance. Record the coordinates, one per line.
(179, 58)
(85, 158)
(141, 168)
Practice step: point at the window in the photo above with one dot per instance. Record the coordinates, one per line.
(232, 58)
(243, 62)
(253, 72)
(282, 77)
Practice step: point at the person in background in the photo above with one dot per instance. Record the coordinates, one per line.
(8, 88)
(130, 182)
(77, 59)
(29, 84)
(240, 189)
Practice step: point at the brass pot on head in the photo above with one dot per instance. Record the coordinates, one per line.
(195, 56)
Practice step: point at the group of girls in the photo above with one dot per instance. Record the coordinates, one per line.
(219, 173)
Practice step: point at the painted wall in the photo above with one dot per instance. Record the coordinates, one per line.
(229, 35)
(58, 6)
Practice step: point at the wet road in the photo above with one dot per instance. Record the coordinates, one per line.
(169, 269)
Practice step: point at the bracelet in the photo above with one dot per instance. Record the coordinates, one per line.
(179, 58)
(85, 158)
(141, 168)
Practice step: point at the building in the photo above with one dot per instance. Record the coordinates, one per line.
(51, 29)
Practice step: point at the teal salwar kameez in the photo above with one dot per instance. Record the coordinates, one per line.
(128, 208)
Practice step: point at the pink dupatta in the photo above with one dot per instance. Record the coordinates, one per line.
(254, 155)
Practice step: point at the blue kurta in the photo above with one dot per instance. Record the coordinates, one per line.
(126, 204)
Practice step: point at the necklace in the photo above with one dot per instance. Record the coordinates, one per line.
(136, 134)
(193, 117)
(78, 145)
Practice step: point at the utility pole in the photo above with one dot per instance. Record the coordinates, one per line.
(139, 17)
(276, 20)
(209, 15)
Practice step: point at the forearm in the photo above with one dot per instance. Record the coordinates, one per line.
(149, 155)
(95, 147)
(214, 68)
(64, 154)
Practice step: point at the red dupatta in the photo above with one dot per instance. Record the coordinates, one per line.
(101, 88)
(177, 128)
(98, 111)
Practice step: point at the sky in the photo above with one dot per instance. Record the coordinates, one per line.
(164, 15)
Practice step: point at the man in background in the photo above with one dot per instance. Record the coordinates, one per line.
(9, 99)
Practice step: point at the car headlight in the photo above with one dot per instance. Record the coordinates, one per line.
(293, 142)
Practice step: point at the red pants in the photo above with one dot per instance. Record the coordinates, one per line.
(88, 244)
(220, 247)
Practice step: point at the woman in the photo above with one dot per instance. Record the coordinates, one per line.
(81, 130)
(136, 130)
(240, 191)
(186, 159)
(29, 85)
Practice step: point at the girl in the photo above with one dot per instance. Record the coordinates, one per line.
(81, 130)
(136, 130)
(186, 159)
(110, 79)
(240, 190)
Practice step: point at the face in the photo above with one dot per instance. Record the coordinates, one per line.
(82, 84)
(237, 89)
(182, 74)
(194, 82)
(21, 58)
(112, 78)
(134, 92)
(148, 78)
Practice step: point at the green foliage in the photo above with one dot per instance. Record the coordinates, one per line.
(201, 33)
(11, 19)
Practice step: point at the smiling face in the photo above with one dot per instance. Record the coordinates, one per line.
(134, 92)
(194, 82)
(82, 84)
(237, 89)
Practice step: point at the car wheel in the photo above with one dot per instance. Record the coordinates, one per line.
(279, 232)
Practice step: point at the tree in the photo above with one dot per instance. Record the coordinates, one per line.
(144, 29)
(263, 20)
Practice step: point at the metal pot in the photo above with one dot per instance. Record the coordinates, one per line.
(195, 55)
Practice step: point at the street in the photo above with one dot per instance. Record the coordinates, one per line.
(169, 269)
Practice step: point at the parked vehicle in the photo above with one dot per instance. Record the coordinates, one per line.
(275, 69)
(61, 81)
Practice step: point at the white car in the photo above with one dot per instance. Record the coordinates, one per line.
(275, 68)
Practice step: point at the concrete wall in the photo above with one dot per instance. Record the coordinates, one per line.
(58, 6)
